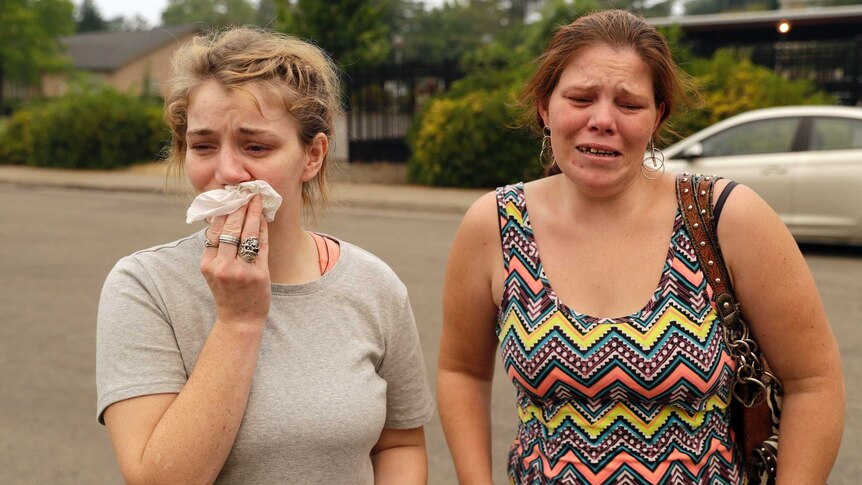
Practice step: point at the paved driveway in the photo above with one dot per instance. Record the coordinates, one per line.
(58, 245)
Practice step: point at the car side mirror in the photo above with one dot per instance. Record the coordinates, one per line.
(693, 151)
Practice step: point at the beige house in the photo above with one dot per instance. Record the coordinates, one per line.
(129, 61)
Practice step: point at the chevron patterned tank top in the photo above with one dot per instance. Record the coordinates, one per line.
(641, 399)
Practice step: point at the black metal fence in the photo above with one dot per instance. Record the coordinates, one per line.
(834, 66)
(382, 102)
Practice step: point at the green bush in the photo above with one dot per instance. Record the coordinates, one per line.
(470, 141)
(732, 84)
(99, 129)
(16, 143)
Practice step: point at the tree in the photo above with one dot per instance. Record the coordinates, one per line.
(89, 18)
(353, 31)
(30, 44)
(455, 29)
(702, 7)
(512, 50)
(444, 33)
(266, 15)
(656, 9)
(213, 13)
(519, 10)
(481, 31)
(128, 24)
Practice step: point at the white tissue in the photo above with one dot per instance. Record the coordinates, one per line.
(225, 201)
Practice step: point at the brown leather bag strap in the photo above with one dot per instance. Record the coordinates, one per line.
(756, 392)
(694, 195)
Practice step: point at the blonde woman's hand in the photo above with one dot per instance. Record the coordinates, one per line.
(241, 289)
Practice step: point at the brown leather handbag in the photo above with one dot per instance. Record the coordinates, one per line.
(756, 406)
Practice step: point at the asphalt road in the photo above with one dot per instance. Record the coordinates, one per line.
(58, 245)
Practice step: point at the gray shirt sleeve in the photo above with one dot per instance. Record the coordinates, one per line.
(409, 403)
(136, 349)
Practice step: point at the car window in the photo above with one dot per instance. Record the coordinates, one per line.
(836, 134)
(764, 136)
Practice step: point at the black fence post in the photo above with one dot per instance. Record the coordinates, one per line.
(856, 70)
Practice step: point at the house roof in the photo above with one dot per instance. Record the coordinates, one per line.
(108, 51)
(810, 22)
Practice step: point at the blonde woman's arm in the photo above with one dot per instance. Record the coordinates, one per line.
(399, 457)
(186, 437)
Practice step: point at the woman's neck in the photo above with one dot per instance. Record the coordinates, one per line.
(627, 202)
(292, 254)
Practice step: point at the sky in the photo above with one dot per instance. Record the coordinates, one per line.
(149, 9)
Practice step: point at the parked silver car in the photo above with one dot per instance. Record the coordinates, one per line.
(805, 161)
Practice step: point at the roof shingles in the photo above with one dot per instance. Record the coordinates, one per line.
(109, 51)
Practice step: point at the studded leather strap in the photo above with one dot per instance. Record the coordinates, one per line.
(694, 193)
(759, 411)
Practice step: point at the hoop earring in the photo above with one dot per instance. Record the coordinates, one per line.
(546, 159)
(656, 158)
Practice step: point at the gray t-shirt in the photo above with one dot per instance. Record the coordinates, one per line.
(339, 360)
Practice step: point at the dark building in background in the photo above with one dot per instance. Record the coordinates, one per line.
(822, 45)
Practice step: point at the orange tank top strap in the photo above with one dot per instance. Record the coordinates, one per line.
(327, 251)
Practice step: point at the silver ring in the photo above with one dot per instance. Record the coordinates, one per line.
(228, 239)
(207, 243)
(249, 249)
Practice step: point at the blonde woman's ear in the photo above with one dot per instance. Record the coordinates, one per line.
(315, 155)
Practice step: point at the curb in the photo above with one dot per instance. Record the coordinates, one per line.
(151, 179)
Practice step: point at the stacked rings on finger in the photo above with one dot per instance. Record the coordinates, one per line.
(228, 239)
(248, 250)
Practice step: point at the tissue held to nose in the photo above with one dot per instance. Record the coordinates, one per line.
(224, 201)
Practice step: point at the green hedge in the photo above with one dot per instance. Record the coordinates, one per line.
(16, 141)
(96, 129)
(470, 141)
(731, 84)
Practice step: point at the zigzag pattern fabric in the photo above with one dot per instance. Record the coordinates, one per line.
(641, 399)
